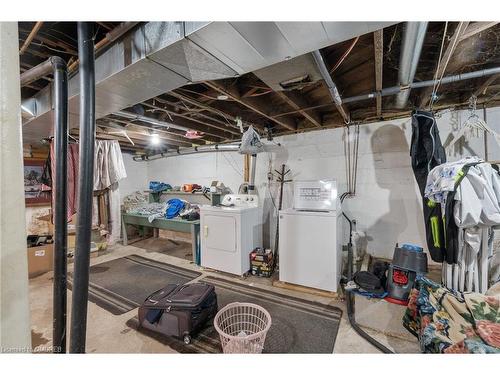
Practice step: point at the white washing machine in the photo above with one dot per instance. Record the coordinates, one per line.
(230, 233)
(310, 237)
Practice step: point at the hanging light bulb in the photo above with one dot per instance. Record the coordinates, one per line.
(155, 139)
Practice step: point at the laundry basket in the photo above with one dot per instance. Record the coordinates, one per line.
(242, 327)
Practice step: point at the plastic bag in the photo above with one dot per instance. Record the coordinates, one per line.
(250, 142)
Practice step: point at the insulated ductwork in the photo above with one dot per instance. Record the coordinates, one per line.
(157, 57)
(413, 40)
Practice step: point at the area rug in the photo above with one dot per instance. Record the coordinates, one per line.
(122, 284)
(298, 326)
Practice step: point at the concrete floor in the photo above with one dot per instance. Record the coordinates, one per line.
(108, 333)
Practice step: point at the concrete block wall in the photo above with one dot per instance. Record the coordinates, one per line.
(387, 205)
(137, 176)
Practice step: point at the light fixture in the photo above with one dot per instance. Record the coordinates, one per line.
(222, 97)
(155, 139)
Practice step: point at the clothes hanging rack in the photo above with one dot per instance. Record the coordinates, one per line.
(473, 125)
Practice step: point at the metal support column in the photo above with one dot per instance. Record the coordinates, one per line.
(85, 188)
(60, 95)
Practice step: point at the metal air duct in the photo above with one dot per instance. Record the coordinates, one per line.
(413, 40)
(332, 88)
(157, 57)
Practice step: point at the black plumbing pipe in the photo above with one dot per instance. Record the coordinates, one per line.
(57, 66)
(60, 93)
(85, 188)
(350, 296)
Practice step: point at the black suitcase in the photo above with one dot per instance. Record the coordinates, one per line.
(179, 310)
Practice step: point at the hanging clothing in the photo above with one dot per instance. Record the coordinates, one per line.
(442, 178)
(427, 152)
(471, 210)
(109, 169)
(72, 179)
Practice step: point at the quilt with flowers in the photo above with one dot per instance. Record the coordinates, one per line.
(446, 321)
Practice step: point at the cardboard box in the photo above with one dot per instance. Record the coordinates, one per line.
(40, 260)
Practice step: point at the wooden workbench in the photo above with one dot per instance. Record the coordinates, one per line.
(176, 224)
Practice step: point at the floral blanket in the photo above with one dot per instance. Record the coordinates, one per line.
(446, 321)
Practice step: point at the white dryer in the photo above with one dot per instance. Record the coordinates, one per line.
(230, 233)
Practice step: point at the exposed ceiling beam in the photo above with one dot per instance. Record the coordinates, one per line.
(378, 44)
(475, 28)
(297, 102)
(143, 136)
(216, 111)
(425, 97)
(30, 37)
(231, 128)
(250, 92)
(110, 37)
(43, 37)
(181, 125)
(484, 87)
(133, 128)
(123, 141)
(106, 26)
(254, 104)
(191, 122)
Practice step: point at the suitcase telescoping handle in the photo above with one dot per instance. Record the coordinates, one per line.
(150, 299)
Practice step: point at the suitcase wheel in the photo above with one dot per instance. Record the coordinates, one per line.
(187, 339)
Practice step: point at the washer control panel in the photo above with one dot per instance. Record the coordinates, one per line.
(240, 200)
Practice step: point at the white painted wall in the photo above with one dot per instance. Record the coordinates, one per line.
(387, 205)
(137, 176)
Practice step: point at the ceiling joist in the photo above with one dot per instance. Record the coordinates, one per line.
(254, 104)
(295, 101)
(378, 43)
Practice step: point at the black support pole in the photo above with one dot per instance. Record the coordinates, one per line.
(58, 67)
(60, 94)
(85, 188)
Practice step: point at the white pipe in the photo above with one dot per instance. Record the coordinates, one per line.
(413, 40)
(231, 147)
(149, 120)
(253, 167)
(14, 302)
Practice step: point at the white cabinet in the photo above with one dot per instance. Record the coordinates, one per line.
(310, 248)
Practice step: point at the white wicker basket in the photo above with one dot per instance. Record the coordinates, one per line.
(242, 327)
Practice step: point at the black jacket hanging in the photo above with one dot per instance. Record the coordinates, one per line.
(426, 152)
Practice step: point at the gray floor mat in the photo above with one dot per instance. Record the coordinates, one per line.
(122, 284)
(179, 249)
(298, 326)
